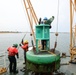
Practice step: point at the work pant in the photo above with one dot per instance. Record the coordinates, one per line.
(43, 42)
(13, 64)
(25, 56)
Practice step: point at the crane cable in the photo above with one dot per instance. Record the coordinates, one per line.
(56, 34)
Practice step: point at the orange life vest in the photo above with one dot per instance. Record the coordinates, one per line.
(12, 51)
(25, 47)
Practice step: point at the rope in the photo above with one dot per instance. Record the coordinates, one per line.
(57, 25)
(57, 16)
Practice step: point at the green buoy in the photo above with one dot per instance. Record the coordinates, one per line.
(43, 60)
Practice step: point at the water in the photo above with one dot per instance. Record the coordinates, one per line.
(63, 42)
(8, 39)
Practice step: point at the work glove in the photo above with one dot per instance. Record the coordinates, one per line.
(50, 26)
(20, 45)
(17, 56)
(39, 21)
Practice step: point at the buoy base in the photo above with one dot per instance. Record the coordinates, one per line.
(43, 67)
(43, 62)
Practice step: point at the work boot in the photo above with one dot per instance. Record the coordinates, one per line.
(15, 72)
(24, 67)
(24, 63)
(11, 71)
(23, 70)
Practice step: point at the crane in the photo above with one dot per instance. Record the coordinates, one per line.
(31, 15)
(33, 18)
(72, 29)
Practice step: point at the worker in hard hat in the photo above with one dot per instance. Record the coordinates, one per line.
(48, 21)
(24, 46)
(45, 20)
(43, 42)
(12, 51)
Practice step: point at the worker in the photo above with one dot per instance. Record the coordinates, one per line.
(45, 20)
(40, 21)
(12, 51)
(48, 21)
(24, 46)
(43, 42)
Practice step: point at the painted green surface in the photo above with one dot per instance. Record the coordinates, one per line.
(42, 33)
(42, 58)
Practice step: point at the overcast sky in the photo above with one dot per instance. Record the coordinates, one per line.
(13, 15)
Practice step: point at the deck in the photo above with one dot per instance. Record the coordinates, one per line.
(67, 68)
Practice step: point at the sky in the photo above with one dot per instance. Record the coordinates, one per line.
(13, 14)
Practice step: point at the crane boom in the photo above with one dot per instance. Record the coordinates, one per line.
(31, 15)
(72, 29)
